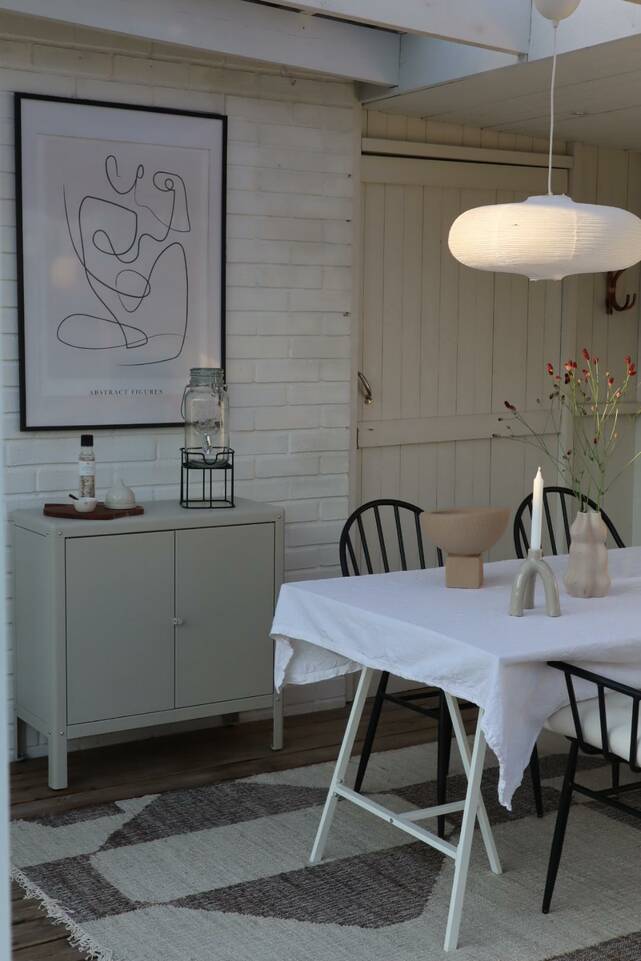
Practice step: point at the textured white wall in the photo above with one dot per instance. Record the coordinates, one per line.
(292, 149)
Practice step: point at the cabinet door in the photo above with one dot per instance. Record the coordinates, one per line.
(225, 599)
(120, 641)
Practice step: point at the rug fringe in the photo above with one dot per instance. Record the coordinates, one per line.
(77, 937)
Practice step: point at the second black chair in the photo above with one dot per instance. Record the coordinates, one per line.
(390, 538)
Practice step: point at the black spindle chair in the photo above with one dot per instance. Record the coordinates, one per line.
(561, 496)
(380, 555)
(607, 724)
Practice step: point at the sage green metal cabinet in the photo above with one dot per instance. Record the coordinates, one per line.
(224, 597)
(145, 620)
(119, 601)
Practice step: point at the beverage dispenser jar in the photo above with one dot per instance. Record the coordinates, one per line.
(205, 410)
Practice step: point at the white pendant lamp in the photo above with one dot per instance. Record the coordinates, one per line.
(547, 237)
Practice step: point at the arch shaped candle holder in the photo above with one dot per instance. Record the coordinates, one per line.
(523, 586)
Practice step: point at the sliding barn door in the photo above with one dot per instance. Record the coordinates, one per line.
(444, 346)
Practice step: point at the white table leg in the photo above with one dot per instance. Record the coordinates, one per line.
(464, 846)
(464, 751)
(341, 764)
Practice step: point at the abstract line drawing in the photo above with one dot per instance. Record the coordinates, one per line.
(121, 224)
(125, 240)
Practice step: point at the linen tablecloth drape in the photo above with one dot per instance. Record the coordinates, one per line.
(465, 642)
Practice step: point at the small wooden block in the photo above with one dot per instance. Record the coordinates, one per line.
(463, 571)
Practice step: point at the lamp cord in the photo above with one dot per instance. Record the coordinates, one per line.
(552, 84)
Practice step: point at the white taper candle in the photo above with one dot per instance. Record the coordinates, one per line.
(537, 511)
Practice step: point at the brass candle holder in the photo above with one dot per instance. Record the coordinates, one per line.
(523, 586)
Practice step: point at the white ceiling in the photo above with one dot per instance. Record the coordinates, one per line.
(598, 97)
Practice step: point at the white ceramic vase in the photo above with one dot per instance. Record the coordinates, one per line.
(119, 496)
(587, 572)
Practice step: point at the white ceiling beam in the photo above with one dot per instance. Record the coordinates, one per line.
(495, 24)
(427, 63)
(239, 29)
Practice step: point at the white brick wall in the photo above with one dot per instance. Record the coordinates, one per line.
(291, 165)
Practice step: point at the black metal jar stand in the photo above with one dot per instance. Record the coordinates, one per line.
(206, 478)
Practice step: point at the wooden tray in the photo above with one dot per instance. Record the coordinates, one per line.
(100, 512)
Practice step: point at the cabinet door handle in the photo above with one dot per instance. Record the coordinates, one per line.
(177, 621)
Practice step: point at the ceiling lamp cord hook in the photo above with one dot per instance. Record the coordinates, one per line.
(552, 86)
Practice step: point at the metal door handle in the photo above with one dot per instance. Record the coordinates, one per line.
(366, 388)
(177, 621)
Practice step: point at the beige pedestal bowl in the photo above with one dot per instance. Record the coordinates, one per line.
(464, 534)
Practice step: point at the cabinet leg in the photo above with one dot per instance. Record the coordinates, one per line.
(57, 761)
(277, 735)
(21, 739)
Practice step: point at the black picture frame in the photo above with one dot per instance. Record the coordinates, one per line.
(20, 99)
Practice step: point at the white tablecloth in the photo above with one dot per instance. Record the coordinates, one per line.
(465, 642)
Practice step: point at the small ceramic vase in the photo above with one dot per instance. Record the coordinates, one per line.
(119, 496)
(587, 571)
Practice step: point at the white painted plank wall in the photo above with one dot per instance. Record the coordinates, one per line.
(291, 163)
(599, 175)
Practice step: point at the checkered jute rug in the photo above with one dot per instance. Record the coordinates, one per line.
(220, 873)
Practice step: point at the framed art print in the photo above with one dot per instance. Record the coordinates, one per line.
(121, 245)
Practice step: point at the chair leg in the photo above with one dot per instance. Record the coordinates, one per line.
(616, 771)
(443, 763)
(535, 774)
(370, 734)
(559, 828)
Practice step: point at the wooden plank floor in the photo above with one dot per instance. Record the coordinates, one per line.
(186, 760)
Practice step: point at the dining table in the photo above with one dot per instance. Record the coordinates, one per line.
(466, 643)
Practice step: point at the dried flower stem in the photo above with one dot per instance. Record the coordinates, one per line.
(593, 400)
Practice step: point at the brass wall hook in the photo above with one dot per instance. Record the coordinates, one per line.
(611, 302)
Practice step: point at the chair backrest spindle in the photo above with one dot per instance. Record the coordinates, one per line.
(381, 538)
(566, 523)
(634, 730)
(399, 534)
(366, 554)
(350, 549)
(419, 541)
(550, 525)
(573, 707)
(603, 720)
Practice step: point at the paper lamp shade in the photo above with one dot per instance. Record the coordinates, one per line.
(546, 238)
(556, 9)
